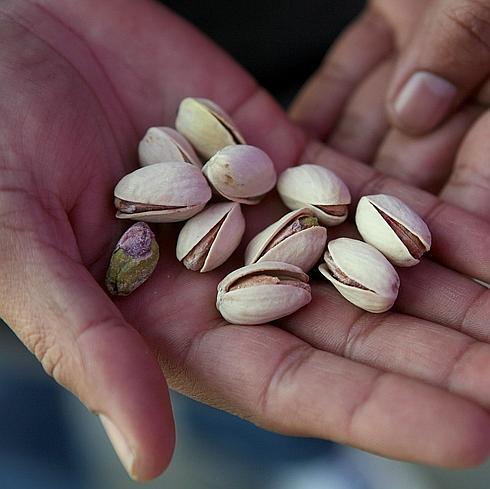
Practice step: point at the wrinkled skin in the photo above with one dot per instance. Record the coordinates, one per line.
(80, 84)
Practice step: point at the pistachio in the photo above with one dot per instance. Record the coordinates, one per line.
(241, 173)
(162, 144)
(163, 192)
(133, 260)
(262, 292)
(393, 228)
(317, 188)
(207, 240)
(207, 126)
(296, 238)
(361, 274)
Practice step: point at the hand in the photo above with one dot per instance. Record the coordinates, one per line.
(363, 75)
(80, 83)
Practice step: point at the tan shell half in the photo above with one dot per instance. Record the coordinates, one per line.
(312, 186)
(162, 144)
(207, 126)
(302, 249)
(374, 282)
(181, 191)
(228, 235)
(379, 217)
(241, 173)
(280, 290)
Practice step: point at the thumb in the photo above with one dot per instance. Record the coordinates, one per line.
(61, 314)
(445, 61)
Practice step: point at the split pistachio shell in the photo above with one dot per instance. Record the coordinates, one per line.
(393, 228)
(207, 126)
(207, 240)
(241, 173)
(262, 292)
(361, 274)
(164, 192)
(162, 144)
(296, 238)
(133, 260)
(317, 188)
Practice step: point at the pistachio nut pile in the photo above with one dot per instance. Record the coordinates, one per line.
(204, 171)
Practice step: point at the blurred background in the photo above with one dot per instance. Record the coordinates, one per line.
(48, 440)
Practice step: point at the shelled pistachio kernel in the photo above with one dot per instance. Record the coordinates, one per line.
(133, 260)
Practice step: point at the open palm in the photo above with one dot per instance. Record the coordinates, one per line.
(81, 81)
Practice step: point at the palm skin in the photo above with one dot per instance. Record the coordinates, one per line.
(80, 85)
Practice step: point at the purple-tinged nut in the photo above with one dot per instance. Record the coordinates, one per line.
(133, 260)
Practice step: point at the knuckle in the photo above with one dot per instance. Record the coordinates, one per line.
(470, 18)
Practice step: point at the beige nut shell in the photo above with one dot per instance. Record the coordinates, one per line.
(227, 240)
(302, 249)
(310, 185)
(169, 184)
(241, 173)
(367, 266)
(163, 144)
(207, 126)
(262, 303)
(377, 232)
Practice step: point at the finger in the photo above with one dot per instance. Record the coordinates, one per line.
(62, 315)
(359, 49)
(436, 72)
(363, 122)
(465, 250)
(396, 343)
(282, 384)
(469, 185)
(425, 162)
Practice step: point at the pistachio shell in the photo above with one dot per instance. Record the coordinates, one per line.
(393, 228)
(180, 190)
(274, 290)
(162, 144)
(313, 186)
(231, 226)
(303, 248)
(363, 275)
(241, 173)
(208, 127)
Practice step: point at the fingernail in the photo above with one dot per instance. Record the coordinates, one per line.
(121, 447)
(423, 101)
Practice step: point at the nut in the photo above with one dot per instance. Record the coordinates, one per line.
(361, 274)
(241, 173)
(208, 239)
(133, 260)
(162, 144)
(164, 192)
(317, 188)
(296, 238)
(262, 292)
(393, 228)
(207, 126)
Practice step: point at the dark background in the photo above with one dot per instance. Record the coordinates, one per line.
(281, 42)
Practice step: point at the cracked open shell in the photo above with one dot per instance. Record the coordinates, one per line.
(207, 126)
(296, 238)
(393, 228)
(262, 292)
(241, 173)
(207, 240)
(361, 274)
(162, 144)
(317, 188)
(164, 192)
